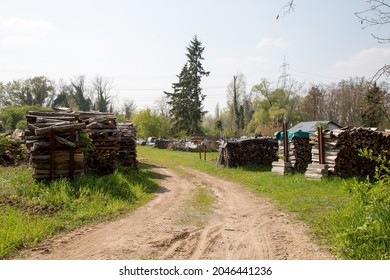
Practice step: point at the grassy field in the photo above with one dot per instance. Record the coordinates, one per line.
(32, 211)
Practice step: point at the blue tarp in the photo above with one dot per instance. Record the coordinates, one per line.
(291, 135)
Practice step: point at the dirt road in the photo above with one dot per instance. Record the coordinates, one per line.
(241, 226)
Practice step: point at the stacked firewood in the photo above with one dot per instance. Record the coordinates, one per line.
(341, 150)
(102, 130)
(299, 153)
(161, 143)
(53, 139)
(258, 151)
(183, 145)
(127, 155)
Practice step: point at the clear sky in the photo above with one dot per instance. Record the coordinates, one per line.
(141, 44)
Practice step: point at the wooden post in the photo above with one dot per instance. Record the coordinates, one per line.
(52, 149)
(200, 153)
(71, 154)
(204, 152)
(285, 142)
(321, 146)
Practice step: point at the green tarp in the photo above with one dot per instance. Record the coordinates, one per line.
(291, 135)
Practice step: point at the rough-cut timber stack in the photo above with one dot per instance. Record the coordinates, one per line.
(258, 151)
(341, 150)
(127, 145)
(299, 153)
(101, 128)
(54, 143)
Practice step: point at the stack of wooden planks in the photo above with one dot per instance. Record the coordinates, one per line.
(256, 151)
(127, 155)
(341, 150)
(53, 139)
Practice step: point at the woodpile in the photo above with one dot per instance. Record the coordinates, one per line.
(102, 130)
(341, 150)
(183, 145)
(161, 144)
(11, 151)
(258, 151)
(53, 139)
(299, 153)
(127, 155)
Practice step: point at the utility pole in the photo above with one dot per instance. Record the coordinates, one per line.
(235, 106)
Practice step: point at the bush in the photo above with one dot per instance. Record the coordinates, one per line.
(11, 116)
(362, 229)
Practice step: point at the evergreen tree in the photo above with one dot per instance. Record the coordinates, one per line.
(372, 108)
(186, 100)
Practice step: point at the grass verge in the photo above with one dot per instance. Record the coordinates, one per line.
(32, 211)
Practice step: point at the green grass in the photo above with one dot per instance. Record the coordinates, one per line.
(33, 211)
(198, 207)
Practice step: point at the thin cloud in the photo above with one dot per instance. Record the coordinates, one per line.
(269, 42)
(17, 31)
(364, 63)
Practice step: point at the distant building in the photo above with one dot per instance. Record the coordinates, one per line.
(312, 126)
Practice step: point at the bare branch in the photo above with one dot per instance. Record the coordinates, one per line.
(287, 9)
(378, 14)
(382, 72)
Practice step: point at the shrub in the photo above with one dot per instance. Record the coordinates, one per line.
(362, 229)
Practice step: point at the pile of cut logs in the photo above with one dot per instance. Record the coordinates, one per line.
(299, 153)
(257, 151)
(56, 150)
(127, 145)
(101, 128)
(341, 150)
(54, 143)
(183, 145)
(161, 143)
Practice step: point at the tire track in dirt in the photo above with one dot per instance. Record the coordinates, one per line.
(242, 226)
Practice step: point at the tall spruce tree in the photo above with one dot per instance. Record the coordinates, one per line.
(186, 100)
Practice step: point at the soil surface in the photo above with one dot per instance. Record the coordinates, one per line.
(241, 226)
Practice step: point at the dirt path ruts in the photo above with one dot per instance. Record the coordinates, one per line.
(242, 226)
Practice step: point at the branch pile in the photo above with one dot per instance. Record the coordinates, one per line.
(341, 150)
(53, 139)
(11, 151)
(258, 151)
(127, 145)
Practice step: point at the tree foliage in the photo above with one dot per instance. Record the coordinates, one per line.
(186, 100)
(30, 92)
(12, 117)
